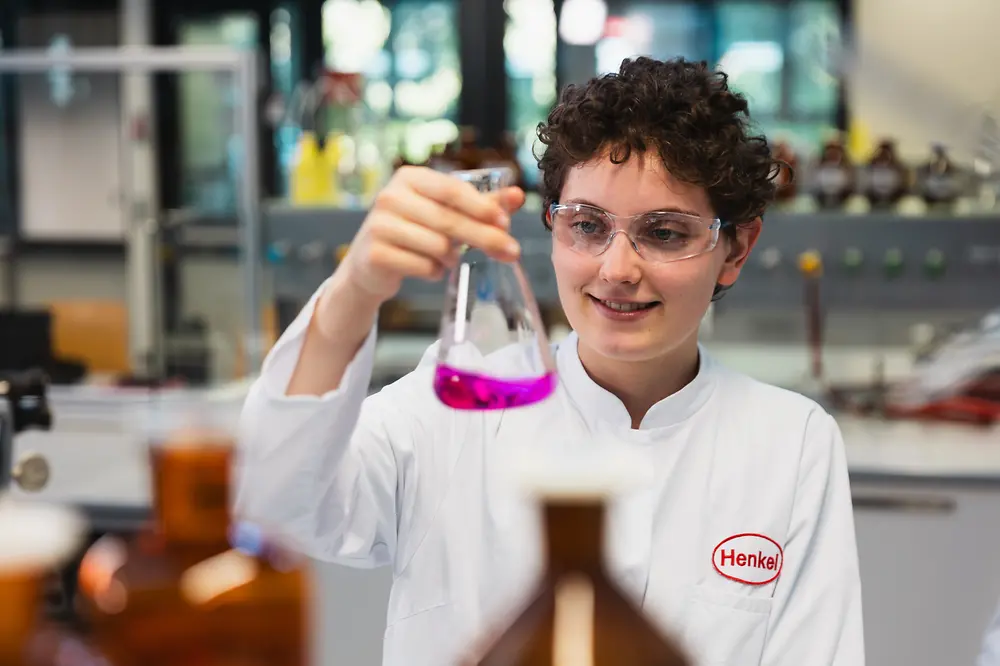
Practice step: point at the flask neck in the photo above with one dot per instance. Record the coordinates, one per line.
(575, 534)
(191, 493)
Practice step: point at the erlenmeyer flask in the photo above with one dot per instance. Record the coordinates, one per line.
(494, 353)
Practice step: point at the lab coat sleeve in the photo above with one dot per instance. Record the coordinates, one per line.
(990, 654)
(816, 615)
(310, 468)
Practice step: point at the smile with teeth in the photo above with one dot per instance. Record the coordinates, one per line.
(626, 307)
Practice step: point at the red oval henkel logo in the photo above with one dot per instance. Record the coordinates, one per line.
(753, 559)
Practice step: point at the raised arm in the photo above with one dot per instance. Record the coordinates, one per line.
(319, 460)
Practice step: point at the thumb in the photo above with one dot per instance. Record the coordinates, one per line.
(510, 198)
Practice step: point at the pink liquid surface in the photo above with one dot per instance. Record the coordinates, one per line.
(468, 390)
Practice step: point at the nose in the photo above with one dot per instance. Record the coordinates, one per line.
(620, 263)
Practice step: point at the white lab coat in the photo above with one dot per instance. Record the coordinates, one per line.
(397, 479)
(990, 654)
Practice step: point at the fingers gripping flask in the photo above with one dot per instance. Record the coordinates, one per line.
(494, 353)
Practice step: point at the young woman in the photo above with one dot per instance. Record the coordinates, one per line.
(744, 545)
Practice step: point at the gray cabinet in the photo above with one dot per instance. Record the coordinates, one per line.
(930, 567)
(350, 618)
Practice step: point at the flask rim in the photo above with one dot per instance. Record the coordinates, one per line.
(486, 179)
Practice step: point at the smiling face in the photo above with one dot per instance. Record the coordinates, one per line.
(594, 289)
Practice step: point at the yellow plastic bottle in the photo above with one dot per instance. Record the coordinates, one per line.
(333, 152)
(310, 183)
(860, 144)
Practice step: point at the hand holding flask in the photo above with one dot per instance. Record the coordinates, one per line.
(494, 353)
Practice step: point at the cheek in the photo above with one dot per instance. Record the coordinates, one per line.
(572, 269)
(688, 279)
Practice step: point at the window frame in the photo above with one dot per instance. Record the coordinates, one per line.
(710, 9)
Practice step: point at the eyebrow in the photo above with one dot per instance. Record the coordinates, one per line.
(664, 209)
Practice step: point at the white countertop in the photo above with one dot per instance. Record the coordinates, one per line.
(876, 446)
(111, 468)
(93, 463)
(913, 449)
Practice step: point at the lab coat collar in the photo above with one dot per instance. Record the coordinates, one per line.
(602, 408)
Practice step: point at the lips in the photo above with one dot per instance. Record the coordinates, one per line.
(624, 311)
(624, 305)
(627, 307)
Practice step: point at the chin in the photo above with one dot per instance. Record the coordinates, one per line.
(631, 343)
(629, 348)
(637, 342)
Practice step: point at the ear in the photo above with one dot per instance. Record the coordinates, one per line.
(739, 249)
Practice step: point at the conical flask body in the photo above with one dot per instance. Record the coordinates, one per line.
(493, 352)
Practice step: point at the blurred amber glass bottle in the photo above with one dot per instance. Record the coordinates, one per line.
(834, 175)
(578, 615)
(35, 540)
(787, 187)
(887, 178)
(197, 589)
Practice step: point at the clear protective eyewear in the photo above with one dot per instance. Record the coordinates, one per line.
(659, 236)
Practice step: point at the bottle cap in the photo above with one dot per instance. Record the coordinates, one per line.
(37, 536)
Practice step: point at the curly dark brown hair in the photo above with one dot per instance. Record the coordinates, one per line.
(682, 110)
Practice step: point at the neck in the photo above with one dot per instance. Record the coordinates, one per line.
(641, 384)
(574, 535)
(191, 495)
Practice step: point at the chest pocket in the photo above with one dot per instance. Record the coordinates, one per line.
(725, 629)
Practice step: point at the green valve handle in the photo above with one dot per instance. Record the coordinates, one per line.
(853, 259)
(934, 262)
(893, 262)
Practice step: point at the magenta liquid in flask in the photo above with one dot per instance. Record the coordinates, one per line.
(493, 353)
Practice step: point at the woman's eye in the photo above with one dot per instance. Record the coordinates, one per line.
(667, 235)
(587, 226)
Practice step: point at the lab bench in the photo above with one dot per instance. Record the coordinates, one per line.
(927, 512)
(927, 518)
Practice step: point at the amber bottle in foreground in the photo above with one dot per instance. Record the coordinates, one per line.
(196, 589)
(578, 616)
(784, 180)
(34, 541)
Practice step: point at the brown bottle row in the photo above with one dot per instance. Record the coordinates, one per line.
(884, 180)
(831, 179)
(465, 153)
(200, 589)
